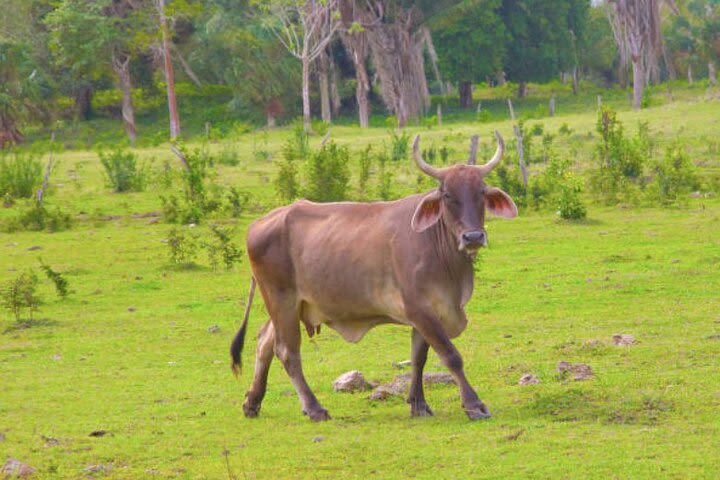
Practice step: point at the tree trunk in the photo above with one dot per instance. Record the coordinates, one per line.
(169, 75)
(712, 76)
(307, 121)
(638, 83)
(575, 80)
(690, 75)
(9, 133)
(500, 78)
(83, 102)
(522, 89)
(322, 65)
(121, 65)
(465, 89)
(362, 88)
(335, 101)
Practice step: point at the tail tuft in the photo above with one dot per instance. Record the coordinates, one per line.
(237, 344)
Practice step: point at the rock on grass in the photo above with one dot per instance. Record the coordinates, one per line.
(401, 384)
(351, 381)
(528, 379)
(16, 468)
(579, 371)
(623, 339)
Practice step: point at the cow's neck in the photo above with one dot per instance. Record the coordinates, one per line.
(457, 265)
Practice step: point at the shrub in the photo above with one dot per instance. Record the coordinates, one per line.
(228, 155)
(365, 162)
(20, 175)
(675, 175)
(38, 218)
(61, 284)
(384, 188)
(484, 116)
(286, 181)
(221, 249)
(568, 199)
(237, 201)
(195, 204)
(182, 247)
(122, 172)
(565, 130)
(20, 293)
(319, 127)
(327, 174)
(619, 161)
(399, 145)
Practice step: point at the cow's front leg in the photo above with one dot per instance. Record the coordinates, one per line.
(431, 330)
(416, 397)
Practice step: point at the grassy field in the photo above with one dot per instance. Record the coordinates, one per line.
(129, 351)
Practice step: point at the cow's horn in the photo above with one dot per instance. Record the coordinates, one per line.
(495, 160)
(438, 173)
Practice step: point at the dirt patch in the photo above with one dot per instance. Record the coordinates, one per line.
(578, 371)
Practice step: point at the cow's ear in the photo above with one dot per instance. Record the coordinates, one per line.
(499, 203)
(427, 213)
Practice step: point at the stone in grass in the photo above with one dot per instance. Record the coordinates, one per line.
(16, 468)
(402, 364)
(401, 384)
(351, 381)
(623, 339)
(528, 379)
(318, 438)
(213, 329)
(579, 371)
(97, 468)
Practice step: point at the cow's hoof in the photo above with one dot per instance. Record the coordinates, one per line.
(319, 415)
(477, 412)
(421, 410)
(251, 411)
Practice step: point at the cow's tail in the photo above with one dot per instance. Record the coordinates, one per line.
(237, 344)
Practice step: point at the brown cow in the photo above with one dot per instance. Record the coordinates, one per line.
(356, 265)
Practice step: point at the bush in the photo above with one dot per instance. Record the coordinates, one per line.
(61, 284)
(484, 116)
(365, 162)
(221, 249)
(619, 161)
(286, 182)
(20, 293)
(38, 218)
(237, 201)
(675, 175)
(122, 172)
(228, 155)
(20, 175)
(384, 188)
(182, 247)
(327, 174)
(563, 188)
(195, 204)
(399, 145)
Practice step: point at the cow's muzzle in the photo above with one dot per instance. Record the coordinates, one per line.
(473, 240)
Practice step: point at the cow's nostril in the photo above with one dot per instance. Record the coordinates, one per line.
(474, 237)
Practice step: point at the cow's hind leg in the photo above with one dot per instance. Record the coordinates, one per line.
(416, 397)
(263, 358)
(285, 317)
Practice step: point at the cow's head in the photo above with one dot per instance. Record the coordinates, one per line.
(462, 198)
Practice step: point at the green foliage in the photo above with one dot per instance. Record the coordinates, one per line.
(20, 175)
(675, 175)
(238, 200)
(619, 161)
(195, 203)
(463, 30)
(364, 164)
(221, 249)
(399, 145)
(484, 116)
(327, 174)
(385, 178)
(60, 282)
(227, 155)
(20, 293)
(182, 246)
(122, 172)
(38, 218)
(287, 187)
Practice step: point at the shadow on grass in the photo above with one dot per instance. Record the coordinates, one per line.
(26, 323)
(574, 405)
(185, 267)
(584, 222)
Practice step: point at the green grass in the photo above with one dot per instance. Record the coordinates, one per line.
(136, 359)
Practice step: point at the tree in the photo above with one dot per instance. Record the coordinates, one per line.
(19, 90)
(636, 26)
(470, 41)
(539, 37)
(304, 27)
(94, 35)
